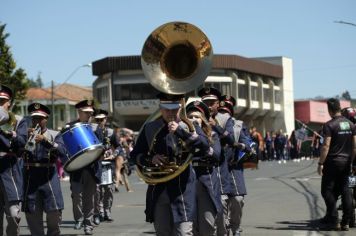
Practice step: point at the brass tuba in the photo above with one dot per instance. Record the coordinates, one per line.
(176, 58)
(9, 122)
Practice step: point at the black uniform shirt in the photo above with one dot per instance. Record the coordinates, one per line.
(341, 131)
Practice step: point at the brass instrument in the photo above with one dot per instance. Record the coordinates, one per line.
(176, 58)
(31, 143)
(9, 122)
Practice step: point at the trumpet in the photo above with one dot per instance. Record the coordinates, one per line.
(31, 143)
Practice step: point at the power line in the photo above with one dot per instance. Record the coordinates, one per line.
(344, 22)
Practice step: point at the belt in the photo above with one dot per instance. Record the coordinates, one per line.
(5, 154)
(202, 164)
(31, 164)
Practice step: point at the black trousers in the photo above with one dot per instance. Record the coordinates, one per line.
(333, 184)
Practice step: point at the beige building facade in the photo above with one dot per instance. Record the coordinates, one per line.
(263, 88)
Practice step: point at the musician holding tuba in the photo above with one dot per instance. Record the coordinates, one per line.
(11, 179)
(169, 205)
(42, 186)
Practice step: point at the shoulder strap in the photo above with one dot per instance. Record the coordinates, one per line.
(237, 128)
(151, 131)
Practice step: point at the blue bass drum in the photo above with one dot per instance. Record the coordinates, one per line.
(82, 145)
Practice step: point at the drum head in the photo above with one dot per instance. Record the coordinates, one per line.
(84, 158)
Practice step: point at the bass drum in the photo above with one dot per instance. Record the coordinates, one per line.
(82, 145)
(106, 173)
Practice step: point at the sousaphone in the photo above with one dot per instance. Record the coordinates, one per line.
(176, 58)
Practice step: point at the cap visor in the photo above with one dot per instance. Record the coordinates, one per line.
(210, 97)
(87, 109)
(169, 106)
(101, 116)
(39, 114)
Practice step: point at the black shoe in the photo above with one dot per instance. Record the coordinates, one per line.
(78, 225)
(96, 220)
(344, 227)
(331, 227)
(101, 218)
(88, 232)
(108, 219)
(326, 220)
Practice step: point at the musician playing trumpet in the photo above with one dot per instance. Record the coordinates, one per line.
(42, 186)
(169, 205)
(11, 179)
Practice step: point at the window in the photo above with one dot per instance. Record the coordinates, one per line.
(254, 93)
(266, 95)
(148, 91)
(224, 88)
(134, 92)
(242, 88)
(61, 114)
(277, 96)
(102, 94)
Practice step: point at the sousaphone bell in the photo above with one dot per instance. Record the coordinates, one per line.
(176, 58)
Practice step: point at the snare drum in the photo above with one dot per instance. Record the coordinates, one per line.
(82, 144)
(106, 173)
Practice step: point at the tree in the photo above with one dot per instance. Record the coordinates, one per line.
(14, 78)
(36, 83)
(346, 95)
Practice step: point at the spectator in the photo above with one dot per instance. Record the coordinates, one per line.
(279, 145)
(268, 146)
(294, 145)
(257, 138)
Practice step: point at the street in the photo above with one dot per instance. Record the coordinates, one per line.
(283, 199)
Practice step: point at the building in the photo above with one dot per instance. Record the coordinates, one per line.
(263, 88)
(314, 113)
(65, 96)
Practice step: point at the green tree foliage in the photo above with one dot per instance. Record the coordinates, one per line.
(346, 95)
(36, 83)
(14, 78)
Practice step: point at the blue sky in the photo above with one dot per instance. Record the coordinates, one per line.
(56, 37)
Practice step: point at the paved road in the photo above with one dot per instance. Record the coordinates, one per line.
(283, 199)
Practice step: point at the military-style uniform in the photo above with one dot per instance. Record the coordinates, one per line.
(11, 178)
(231, 179)
(169, 205)
(237, 181)
(105, 190)
(42, 185)
(83, 183)
(208, 195)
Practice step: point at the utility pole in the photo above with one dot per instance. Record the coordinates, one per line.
(52, 98)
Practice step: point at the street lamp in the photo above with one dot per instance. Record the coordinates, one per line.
(52, 90)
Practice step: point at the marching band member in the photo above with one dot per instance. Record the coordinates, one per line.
(11, 179)
(208, 187)
(169, 205)
(83, 181)
(211, 97)
(105, 188)
(236, 197)
(42, 186)
(223, 124)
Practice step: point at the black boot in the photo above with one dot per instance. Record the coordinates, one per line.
(78, 225)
